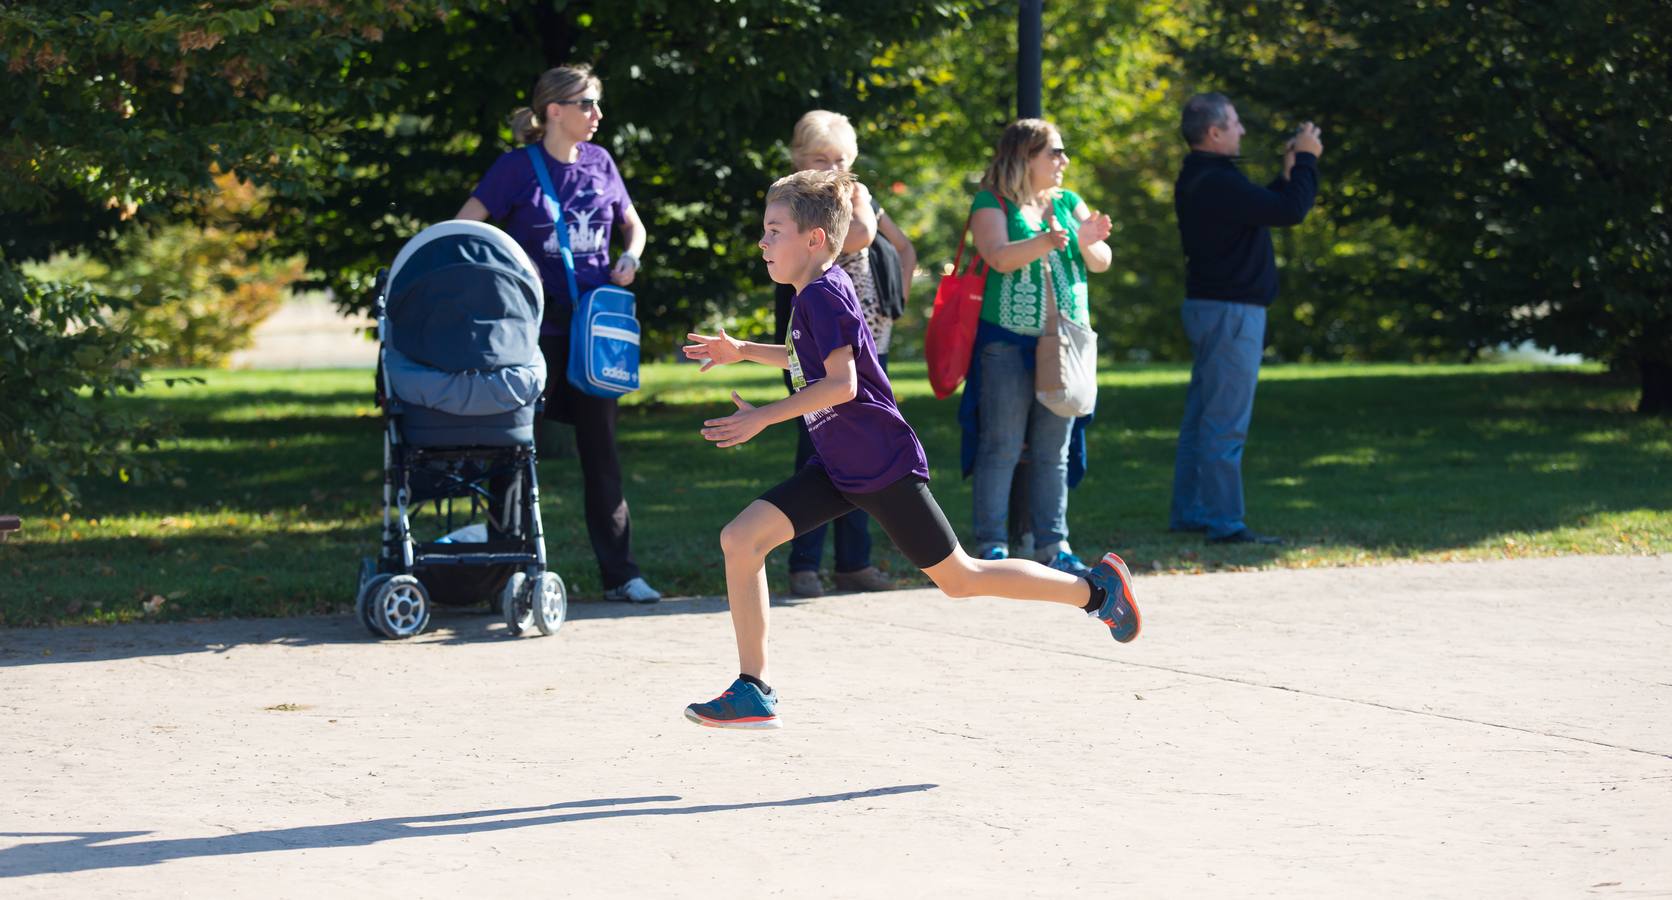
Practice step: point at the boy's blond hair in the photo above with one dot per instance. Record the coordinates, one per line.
(822, 129)
(817, 200)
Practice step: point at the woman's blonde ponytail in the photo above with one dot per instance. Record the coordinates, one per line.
(523, 126)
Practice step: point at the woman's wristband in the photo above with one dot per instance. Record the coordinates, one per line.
(629, 256)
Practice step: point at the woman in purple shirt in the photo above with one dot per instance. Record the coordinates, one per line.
(561, 120)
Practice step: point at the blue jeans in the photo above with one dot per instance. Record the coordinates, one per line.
(1226, 340)
(1010, 414)
(853, 531)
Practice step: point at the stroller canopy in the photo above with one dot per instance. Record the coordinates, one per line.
(461, 337)
(462, 296)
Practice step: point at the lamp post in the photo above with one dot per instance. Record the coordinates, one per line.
(1029, 35)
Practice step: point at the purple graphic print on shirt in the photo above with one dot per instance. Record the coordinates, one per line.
(594, 201)
(864, 444)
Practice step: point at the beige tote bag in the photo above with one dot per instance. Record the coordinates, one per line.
(1065, 362)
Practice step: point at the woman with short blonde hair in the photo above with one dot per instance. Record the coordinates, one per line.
(823, 131)
(881, 274)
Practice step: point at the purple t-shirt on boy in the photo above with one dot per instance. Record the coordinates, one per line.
(864, 444)
(594, 201)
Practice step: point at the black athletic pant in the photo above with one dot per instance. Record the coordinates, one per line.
(594, 418)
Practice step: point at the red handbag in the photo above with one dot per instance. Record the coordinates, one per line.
(950, 338)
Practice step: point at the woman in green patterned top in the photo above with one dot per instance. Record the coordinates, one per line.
(1028, 229)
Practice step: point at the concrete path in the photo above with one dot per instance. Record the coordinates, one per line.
(1473, 730)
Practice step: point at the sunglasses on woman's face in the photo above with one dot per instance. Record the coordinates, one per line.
(587, 104)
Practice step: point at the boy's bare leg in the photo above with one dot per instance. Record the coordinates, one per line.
(961, 575)
(746, 541)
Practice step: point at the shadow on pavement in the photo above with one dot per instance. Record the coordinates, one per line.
(449, 626)
(83, 851)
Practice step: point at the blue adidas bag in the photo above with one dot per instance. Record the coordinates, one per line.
(604, 343)
(604, 334)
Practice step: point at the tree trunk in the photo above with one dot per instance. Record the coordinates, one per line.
(1656, 399)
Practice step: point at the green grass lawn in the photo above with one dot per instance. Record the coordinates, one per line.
(276, 493)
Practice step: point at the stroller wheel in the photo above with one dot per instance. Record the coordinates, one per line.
(400, 607)
(363, 602)
(514, 603)
(552, 605)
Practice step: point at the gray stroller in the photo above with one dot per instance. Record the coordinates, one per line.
(459, 380)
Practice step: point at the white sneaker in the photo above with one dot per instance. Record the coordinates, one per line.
(1049, 552)
(636, 590)
(1024, 547)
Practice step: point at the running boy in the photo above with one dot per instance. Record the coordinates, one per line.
(865, 455)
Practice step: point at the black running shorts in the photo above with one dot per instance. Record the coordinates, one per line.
(905, 509)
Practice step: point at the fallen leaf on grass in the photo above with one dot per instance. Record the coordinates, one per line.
(152, 604)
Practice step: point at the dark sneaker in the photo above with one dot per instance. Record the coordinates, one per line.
(1245, 537)
(869, 578)
(741, 706)
(1118, 611)
(1068, 562)
(806, 583)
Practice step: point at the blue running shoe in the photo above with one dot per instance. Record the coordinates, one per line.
(1068, 562)
(1118, 611)
(741, 706)
(997, 551)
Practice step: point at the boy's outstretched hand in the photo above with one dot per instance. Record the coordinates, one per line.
(714, 351)
(736, 428)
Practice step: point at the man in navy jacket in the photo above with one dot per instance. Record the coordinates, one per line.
(1225, 224)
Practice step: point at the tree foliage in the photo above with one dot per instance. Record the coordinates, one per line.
(1492, 171)
(698, 103)
(1114, 82)
(195, 290)
(120, 108)
(1523, 148)
(61, 360)
(120, 113)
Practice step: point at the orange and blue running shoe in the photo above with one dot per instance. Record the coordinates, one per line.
(1118, 611)
(741, 706)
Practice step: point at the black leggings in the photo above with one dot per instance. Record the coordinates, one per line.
(607, 521)
(905, 509)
